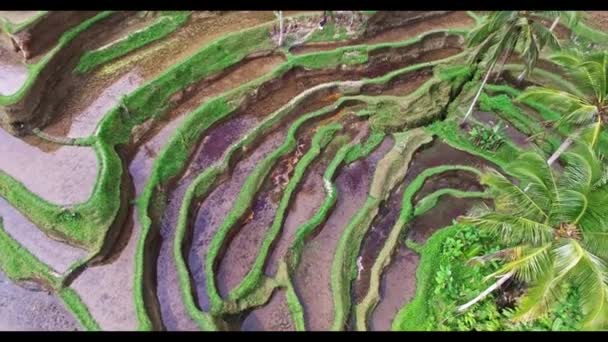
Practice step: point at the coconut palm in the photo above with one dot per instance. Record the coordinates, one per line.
(585, 109)
(506, 32)
(556, 231)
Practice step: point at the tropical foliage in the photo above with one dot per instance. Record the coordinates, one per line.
(589, 106)
(506, 32)
(554, 225)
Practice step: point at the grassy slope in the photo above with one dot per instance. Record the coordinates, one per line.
(162, 27)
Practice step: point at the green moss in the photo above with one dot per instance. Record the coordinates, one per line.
(319, 141)
(329, 33)
(13, 28)
(36, 69)
(73, 302)
(20, 265)
(167, 164)
(161, 28)
(241, 204)
(429, 202)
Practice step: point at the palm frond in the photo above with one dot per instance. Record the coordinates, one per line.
(511, 229)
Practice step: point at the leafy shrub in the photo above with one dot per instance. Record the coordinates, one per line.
(489, 139)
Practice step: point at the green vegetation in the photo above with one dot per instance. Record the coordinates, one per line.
(552, 231)
(539, 252)
(20, 265)
(163, 26)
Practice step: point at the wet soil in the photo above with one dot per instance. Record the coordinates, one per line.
(13, 72)
(312, 277)
(59, 256)
(28, 310)
(64, 176)
(83, 111)
(401, 275)
(274, 316)
(214, 208)
(597, 20)
(448, 208)
(307, 199)
(107, 289)
(457, 19)
(202, 28)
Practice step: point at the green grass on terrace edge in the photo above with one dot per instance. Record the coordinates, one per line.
(162, 27)
(389, 173)
(20, 265)
(430, 201)
(364, 309)
(35, 69)
(13, 28)
(322, 138)
(176, 152)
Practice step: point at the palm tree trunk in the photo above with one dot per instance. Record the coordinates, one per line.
(486, 292)
(483, 83)
(563, 147)
(280, 28)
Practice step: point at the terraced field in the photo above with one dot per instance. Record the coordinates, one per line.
(181, 171)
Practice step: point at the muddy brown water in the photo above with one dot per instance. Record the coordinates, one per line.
(457, 19)
(113, 299)
(275, 93)
(59, 256)
(13, 72)
(65, 176)
(512, 133)
(401, 275)
(312, 276)
(274, 316)
(30, 310)
(307, 198)
(455, 179)
(397, 286)
(246, 239)
(107, 289)
(214, 208)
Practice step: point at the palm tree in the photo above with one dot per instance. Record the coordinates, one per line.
(506, 32)
(556, 232)
(589, 106)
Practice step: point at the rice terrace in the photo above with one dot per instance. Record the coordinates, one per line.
(303, 170)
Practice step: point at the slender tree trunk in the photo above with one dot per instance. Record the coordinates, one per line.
(280, 28)
(483, 83)
(486, 292)
(563, 147)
